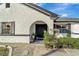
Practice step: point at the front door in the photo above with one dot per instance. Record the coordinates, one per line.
(40, 31)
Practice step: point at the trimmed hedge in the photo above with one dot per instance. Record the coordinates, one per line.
(69, 42)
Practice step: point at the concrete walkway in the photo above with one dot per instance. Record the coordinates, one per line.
(65, 52)
(21, 49)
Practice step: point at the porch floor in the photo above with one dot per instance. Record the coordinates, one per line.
(39, 42)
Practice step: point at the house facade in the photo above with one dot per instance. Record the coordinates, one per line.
(18, 22)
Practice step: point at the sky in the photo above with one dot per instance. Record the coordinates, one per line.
(69, 10)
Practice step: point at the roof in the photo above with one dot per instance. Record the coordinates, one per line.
(67, 20)
(40, 9)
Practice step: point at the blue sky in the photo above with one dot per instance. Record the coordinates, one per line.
(69, 10)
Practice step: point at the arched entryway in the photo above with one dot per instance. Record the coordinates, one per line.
(37, 30)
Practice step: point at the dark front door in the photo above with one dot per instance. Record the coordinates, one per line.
(40, 31)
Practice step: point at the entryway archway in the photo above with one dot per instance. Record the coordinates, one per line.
(37, 31)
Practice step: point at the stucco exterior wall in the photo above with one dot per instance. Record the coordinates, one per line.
(24, 17)
(75, 30)
(14, 39)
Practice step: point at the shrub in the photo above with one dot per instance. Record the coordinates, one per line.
(63, 42)
(69, 34)
(75, 43)
(69, 42)
(48, 40)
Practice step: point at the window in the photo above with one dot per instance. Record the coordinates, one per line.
(7, 5)
(61, 27)
(7, 28)
(64, 29)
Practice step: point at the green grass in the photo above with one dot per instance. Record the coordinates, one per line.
(4, 51)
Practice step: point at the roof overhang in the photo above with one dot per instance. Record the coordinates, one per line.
(40, 9)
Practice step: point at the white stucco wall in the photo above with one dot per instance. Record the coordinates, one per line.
(14, 39)
(24, 17)
(75, 30)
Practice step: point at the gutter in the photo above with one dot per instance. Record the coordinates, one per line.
(54, 18)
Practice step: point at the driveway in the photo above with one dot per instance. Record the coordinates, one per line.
(65, 52)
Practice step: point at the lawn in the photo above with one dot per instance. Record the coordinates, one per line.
(4, 51)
